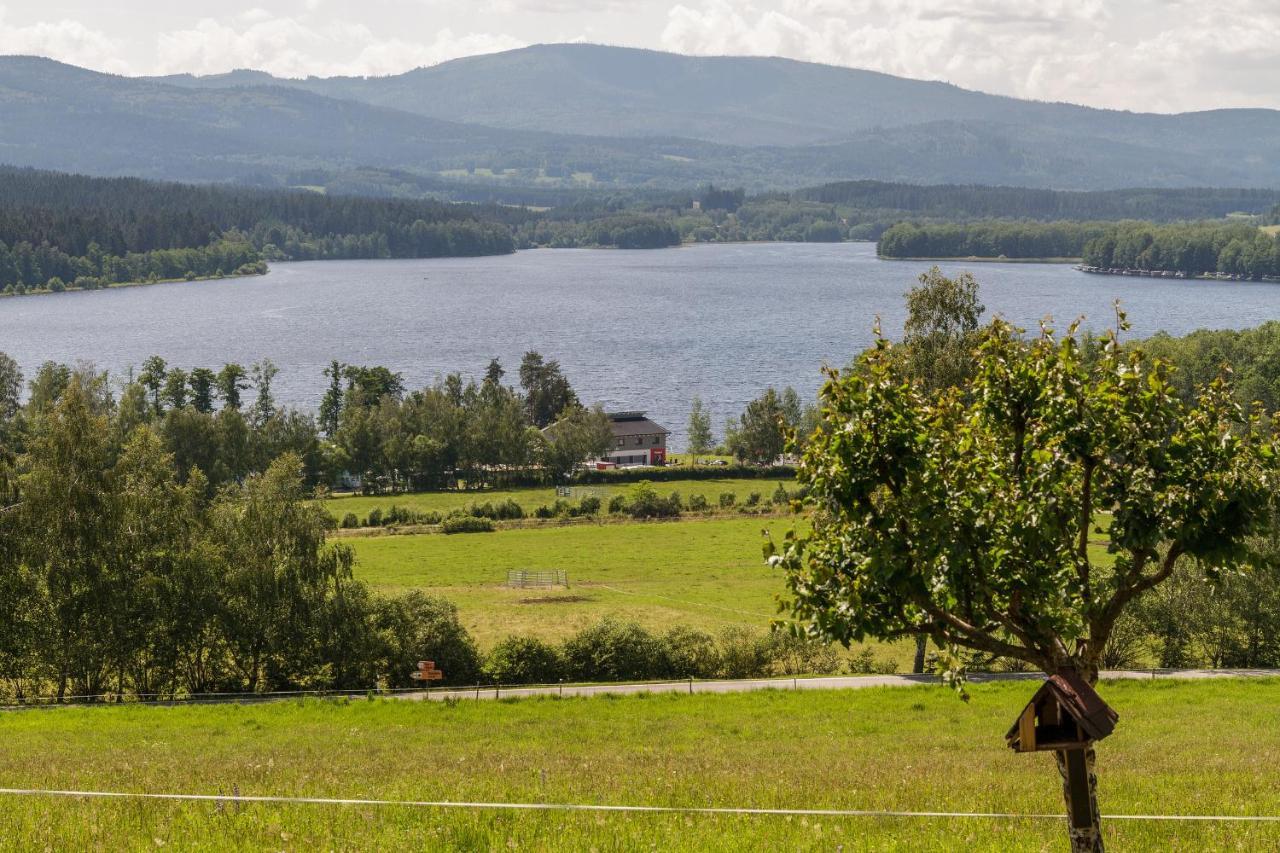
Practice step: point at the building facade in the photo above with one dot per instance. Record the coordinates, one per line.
(636, 441)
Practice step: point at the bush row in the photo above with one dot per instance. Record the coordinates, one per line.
(612, 650)
(642, 502)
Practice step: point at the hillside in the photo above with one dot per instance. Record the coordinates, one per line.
(585, 115)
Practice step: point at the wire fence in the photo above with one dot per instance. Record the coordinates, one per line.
(605, 807)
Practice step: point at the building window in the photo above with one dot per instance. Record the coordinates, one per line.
(639, 440)
(655, 439)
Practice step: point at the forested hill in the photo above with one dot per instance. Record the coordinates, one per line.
(59, 231)
(584, 115)
(592, 89)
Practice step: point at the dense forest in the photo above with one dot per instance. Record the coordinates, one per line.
(609, 230)
(1188, 249)
(59, 231)
(989, 239)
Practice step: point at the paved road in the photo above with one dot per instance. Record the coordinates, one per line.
(843, 682)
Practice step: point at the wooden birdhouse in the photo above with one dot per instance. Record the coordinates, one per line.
(1065, 714)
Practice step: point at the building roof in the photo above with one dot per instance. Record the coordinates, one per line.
(634, 423)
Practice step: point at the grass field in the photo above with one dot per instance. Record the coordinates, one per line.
(704, 574)
(532, 498)
(1210, 747)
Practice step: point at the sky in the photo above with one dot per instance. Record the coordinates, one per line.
(1145, 55)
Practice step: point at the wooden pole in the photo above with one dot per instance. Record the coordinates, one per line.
(1080, 790)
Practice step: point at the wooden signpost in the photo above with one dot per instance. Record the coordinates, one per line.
(426, 671)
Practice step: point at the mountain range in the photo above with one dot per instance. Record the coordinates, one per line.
(580, 114)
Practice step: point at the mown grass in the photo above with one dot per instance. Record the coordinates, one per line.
(532, 498)
(1210, 747)
(700, 573)
(703, 573)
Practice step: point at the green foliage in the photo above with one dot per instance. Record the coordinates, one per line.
(467, 524)
(969, 518)
(645, 502)
(700, 439)
(60, 232)
(523, 660)
(579, 434)
(1189, 249)
(415, 626)
(991, 239)
(611, 650)
(759, 436)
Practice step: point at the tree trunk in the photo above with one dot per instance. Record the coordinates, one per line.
(918, 666)
(1080, 791)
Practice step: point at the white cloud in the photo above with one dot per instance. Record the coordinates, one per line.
(1138, 55)
(65, 40)
(294, 47)
(1134, 54)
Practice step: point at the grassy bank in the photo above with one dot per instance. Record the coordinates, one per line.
(1181, 747)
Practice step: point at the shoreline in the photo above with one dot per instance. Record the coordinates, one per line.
(982, 260)
(123, 284)
(1179, 275)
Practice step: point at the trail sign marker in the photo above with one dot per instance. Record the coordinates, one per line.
(426, 671)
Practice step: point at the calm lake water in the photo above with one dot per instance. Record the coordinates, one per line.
(632, 329)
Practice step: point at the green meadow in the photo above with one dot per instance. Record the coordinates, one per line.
(700, 573)
(1207, 747)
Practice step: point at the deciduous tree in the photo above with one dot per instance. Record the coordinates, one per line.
(969, 517)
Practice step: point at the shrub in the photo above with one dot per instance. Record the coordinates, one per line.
(790, 655)
(618, 505)
(350, 520)
(691, 653)
(375, 518)
(743, 653)
(524, 660)
(753, 499)
(727, 499)
(645, 502)
(698, 503)
(416, 626)
(780, 496)
(615, 651)
(504, 511)
(467, 524)
(589, 505)
(544, 511)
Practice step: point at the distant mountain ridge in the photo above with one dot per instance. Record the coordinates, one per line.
(613, 116)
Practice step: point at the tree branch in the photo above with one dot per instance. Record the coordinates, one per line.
(1100, 630)
(975, 638)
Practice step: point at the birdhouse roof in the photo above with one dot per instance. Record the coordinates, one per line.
(1079, 700)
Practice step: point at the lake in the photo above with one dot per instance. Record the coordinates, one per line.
(632, 329)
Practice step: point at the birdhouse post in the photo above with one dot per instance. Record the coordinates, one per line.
(1066, 716)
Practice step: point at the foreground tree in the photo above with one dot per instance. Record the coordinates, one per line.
(968, 518)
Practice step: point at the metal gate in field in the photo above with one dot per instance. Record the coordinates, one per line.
(523, 578)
